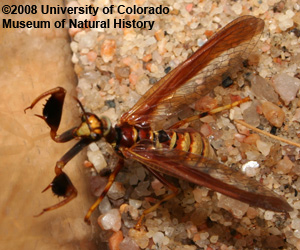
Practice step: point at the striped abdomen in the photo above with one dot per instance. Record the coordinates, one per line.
(187, 140)
(182, 139)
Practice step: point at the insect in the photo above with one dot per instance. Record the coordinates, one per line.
(151, 133)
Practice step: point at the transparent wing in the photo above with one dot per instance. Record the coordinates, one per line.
(198, 75)
(207, 172)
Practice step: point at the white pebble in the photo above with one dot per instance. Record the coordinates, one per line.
(237, 8)
(204, 236)
(135, 203)
(158, 238)
(199, 193)
(87, 39)
(134, 213)
(111, 220)
(97, 159)
(169, 231)
(286, 24)
(214, 239)
(297, 234)
(269, 215)
(289, 13)
(75, 59)
(93, 147)
(74, 46)
(251, 168)
(252, 155)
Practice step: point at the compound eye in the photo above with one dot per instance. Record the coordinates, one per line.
(95, 136)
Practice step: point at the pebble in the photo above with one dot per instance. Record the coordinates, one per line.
(251, 139)
(284, 166)
(262, 89)
(251, 116)
(296, 116)
(251, 213)
(199, 193)
(116, 191)
(286, 86)
(297, 234)
(134, 213)
(128, 244)
(274, 231)
(252, 155)
(269, 215)
(97, 159)
(296, 223)
(159, 35)
(214, 239)
(237, 208)
(86, 40)
(158, 187)
(97, 185)
(237, 8)
(142, 189)
(246, 221)
(273, 114)
(206, 103)
(297, 205)
(206, 130)
(115, 240)
(140, 173)
(296, 18)
(284, 21)
(140, 237)
(91, 56)
(242, 129)
(108, 50)
(158, 238)
(135, 203)
(104, 205)
(111, 220)
(263, 147)
(204, 236)
(274, 241)
(250, 168)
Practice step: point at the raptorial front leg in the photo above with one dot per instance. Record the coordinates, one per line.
(52, 113)
(61, 185)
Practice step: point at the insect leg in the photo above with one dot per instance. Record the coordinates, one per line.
(211, 112)
(111, 180)
(61, 185)
(52, 112)
(167, 197)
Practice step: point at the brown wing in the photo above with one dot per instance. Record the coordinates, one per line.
(198, 75)
(208, 173)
